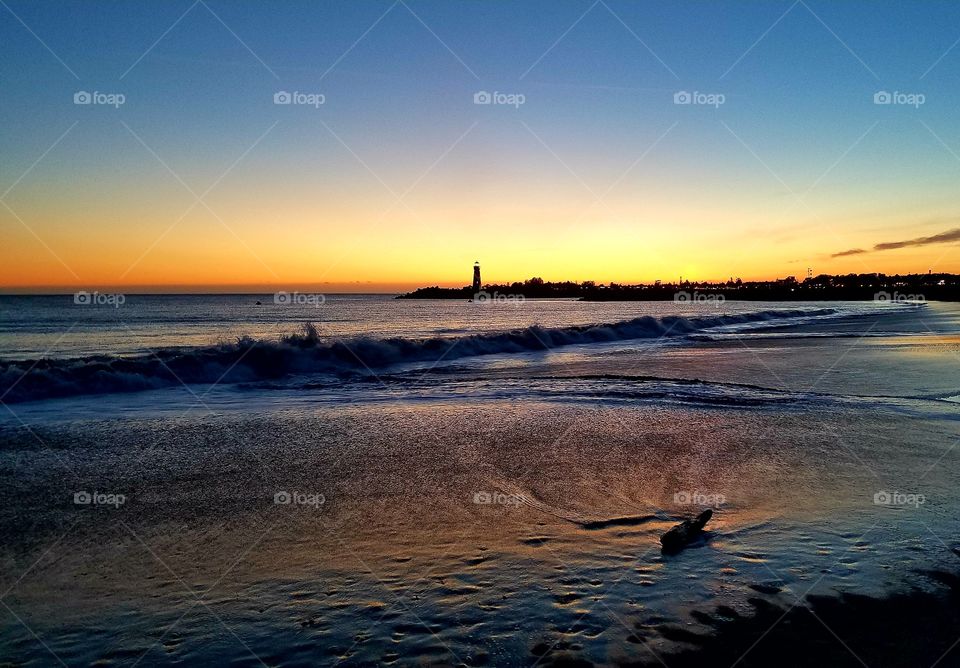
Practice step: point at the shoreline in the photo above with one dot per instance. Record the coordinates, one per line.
(791, 441)
(692, 296)
(851, 287)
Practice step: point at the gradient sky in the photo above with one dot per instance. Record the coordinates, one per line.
(399, 179)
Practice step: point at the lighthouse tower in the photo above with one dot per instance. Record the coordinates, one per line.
(476, 279)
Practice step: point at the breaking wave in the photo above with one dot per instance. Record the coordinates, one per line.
(308, 351)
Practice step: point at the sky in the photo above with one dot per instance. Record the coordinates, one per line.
(622, 141)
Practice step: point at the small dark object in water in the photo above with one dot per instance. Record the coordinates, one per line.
(259, 303)
(684, 533)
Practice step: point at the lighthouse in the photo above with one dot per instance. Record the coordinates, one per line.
(476, 279)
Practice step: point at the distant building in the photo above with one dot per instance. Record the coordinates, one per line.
(476, 278)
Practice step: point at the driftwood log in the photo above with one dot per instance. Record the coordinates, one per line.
(684, 533)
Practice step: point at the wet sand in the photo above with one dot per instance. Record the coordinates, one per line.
(910, 628)
(399, 563)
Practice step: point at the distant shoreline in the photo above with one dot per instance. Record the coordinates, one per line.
(851, 287)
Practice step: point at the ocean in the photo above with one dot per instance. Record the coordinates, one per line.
(360, 480)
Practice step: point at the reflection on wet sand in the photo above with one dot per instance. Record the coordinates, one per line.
(500, 533)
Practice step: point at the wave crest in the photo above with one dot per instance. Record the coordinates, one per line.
(307, 351)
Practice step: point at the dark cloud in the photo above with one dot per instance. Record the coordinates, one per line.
(852, 251)
(943, 238)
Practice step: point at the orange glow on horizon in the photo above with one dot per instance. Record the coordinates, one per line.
(352, 247)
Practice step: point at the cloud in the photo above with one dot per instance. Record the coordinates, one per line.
(947, 237)
(852, 251)
(942, 238)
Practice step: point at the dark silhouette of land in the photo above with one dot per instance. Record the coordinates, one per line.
(849, 287)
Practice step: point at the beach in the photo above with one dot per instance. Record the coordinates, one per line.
(495, 509)
(510, 334)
